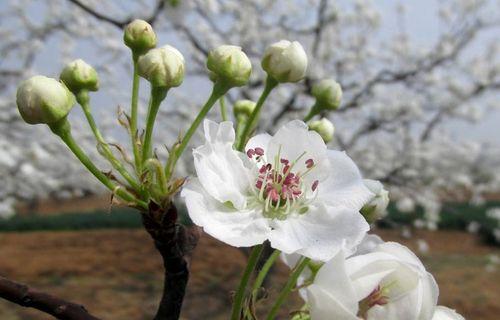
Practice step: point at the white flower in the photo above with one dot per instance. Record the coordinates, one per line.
(377, 207)
(229, 64)
(163, 67)
(386, 283)
(287, 188)
(43, 100)
(444, 313)
(285, 61)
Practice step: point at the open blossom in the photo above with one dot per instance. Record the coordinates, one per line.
(287, 188)
(382, 282)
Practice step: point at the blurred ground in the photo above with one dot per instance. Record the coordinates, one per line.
(117, 274)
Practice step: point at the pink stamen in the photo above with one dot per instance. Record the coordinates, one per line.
(250, 153)
(315, 185)
(259, 151)
(309, 163)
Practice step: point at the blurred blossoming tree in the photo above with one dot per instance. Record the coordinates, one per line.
(399, 95)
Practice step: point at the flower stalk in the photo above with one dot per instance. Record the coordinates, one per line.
(240, 293)
(63, 130)
(157, 96)
(251, 123)
(133, 117)
(219, 89)
(83, 99)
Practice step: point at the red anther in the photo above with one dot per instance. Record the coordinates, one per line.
(284, 161)
(286, 168)
(315, 185)
(258, 184)
(309, 163)
(250, 153)
(263, 169)
(259, 151)
(269, 166)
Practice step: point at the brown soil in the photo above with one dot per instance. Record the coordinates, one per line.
(118, 274)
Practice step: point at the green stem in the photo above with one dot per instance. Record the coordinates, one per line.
(218, 91)
(63, 130)
(223, 109)
(314, 111)
(133, 117)
(252, 120)
(83, 100)
(263, 273)
(157, 96)
(240, 293)
(291, 283)
(154, 164)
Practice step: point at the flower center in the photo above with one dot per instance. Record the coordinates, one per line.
(278, 186)
(379, 296)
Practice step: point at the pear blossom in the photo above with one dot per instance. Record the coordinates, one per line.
(386, 282)
(444, 313)
(287, 188)
(377, 207)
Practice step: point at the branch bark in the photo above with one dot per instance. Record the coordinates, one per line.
(25, 296)
(175, 243)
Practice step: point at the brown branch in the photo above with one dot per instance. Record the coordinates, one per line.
(120, 24)
(174, 242)
(27, 297)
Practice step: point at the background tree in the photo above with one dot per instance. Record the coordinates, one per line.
(400, 96)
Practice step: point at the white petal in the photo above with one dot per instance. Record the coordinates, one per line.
(236, 228)
(444, 313)
(292, 140)
(369, 243)
(402, 309)
(320, 233)
(326, 307)
(260, 140)
(401, 253)
(219, 167)
(430, 294)
(333, 278)
(344, 184)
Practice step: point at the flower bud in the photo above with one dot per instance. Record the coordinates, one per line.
(230, 65)
(324, 127)
(78, 75)
(328, 94)
(285, 61)
(377, 207)
(163, 67)
(243, 108)
(43, 100)
(139, 36)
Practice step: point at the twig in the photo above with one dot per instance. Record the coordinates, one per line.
(25, 296)
(174, 242)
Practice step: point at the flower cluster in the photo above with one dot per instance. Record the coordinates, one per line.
(289, 190)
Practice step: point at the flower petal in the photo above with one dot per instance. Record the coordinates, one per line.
(237, 228)
(220, 168)
(293, 140)
(344, 185)
(325, 307)
(320, 233)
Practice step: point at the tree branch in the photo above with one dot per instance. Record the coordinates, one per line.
(120, 24)
(27, 297)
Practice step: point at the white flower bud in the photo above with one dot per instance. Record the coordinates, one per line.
(243, 108)
(163, 67)
(285, 61)
(139, 36)
(328, 94)
(229, 64)
(43, 100)
(78, 75)
(324, 127)
(377, 207)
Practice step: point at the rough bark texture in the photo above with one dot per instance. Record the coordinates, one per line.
(25, 296)
(175, 243)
